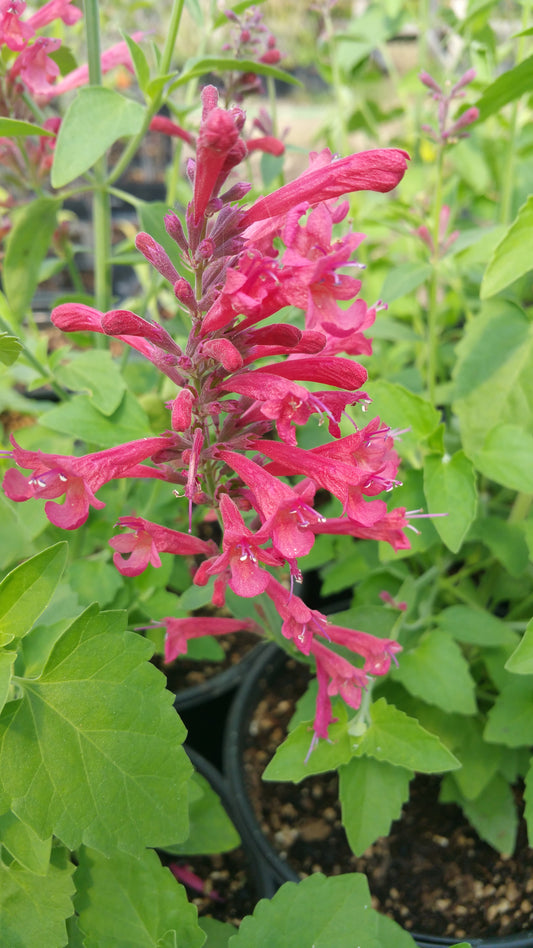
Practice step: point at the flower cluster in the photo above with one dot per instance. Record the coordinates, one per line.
(240, 379)
(449, 130)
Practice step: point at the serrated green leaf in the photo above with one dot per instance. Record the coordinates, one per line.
(27, 244)
(135, 902)
(480, 761)
(218, 933)
(372, 794)
(521, 661)
(395, 738)
(404, 279)
(24, 845)
(511, 258)
(291, 761)
(10, 348)
(506, 456)
(450, 488)
(93, 736)
(33, 908)
(11, 128)
(80, 419)
(492, 814)
(475, 626)
(210, 828)
(94, 121)
(436, 671)
(27, 590)
(506, 88)
(510, 720)
(95, 372)
(319, 912)
(528, 798)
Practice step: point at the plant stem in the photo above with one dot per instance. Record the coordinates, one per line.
(433, 313)
(101, 202)
(155, 104)
(521, 507)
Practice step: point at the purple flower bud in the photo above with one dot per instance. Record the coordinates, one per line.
(174, 229)
(430, 82)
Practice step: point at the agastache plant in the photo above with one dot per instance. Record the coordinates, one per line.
(240, 380)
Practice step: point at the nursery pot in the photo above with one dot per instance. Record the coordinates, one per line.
(238, 869)
(267, 670)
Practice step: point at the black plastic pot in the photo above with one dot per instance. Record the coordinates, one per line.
(257, 680)
(204, 708)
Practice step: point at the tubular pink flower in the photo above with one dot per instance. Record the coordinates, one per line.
(344, 678)
(218, 135)
(390, 528)
(180, 631)
(157, 256)
(78, 478)
(14, 32)
(377, 653)
(160, 123)
(300, 623)
(55, 10)
(34, 67)
(287, 515)
(117, 55)
(148, 540)
(324, 369)
(378, 170)
(241, 555)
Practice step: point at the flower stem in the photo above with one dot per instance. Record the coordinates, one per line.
(433, 313)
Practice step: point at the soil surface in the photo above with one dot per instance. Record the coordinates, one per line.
(228, 890)
(432, 873)
(187, 673)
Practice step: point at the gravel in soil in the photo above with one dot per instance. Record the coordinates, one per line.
(432, 873)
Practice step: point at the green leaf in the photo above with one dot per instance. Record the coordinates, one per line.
(510, 720)
(492, 814)
(135, 902)
(506, 88)
(93, 580)
(319, 912)
(92, 751)
(140, 62)
(200, 65)
(10, 348)
(218, 933)
(33, 908)
(24, 845)
(507, 457)
(528, 797)
(475, 627)
(450, 487)
(505, 540)
(27, 244)
(521, 661)
(94, 121)
(10, 128)
(494, 396)
(95, 372)
(210, 828)
(394, 737)
(437, 672)
(26, 591)
(401, 408)
(511, 258)
(372, 794)
(7, 660)
(152, 219)
(290, 762)
(80, 419)
(480, 761)
(404, 279)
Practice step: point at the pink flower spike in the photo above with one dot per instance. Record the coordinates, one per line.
(219, 133)
(345, 679)
(179, 631)
(122, 322)
(378, 170)
(191, 487)
(148, 540)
